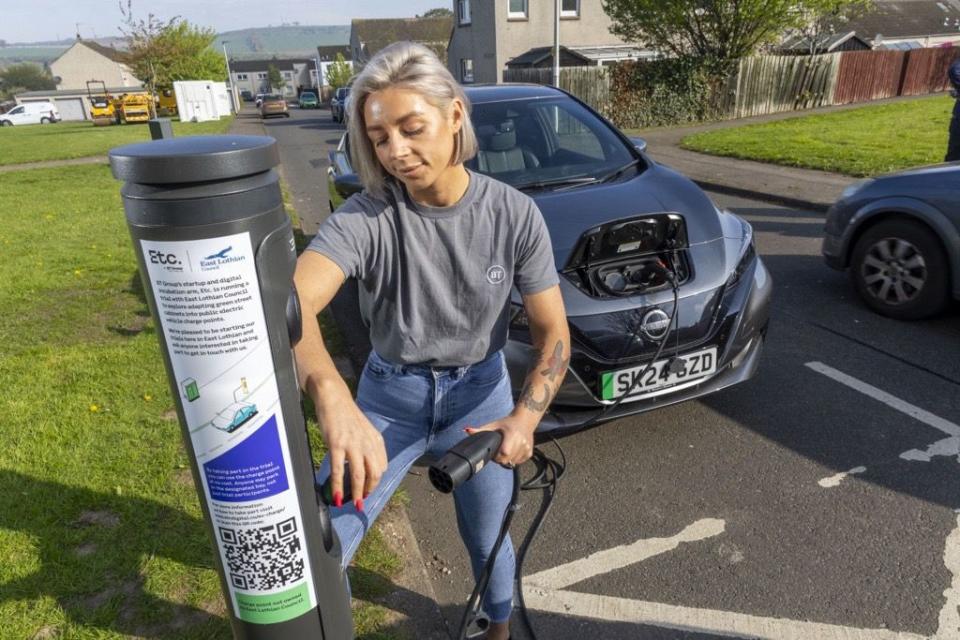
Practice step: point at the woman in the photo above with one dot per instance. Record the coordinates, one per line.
(435, 249)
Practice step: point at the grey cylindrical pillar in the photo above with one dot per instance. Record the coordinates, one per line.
(216, 255)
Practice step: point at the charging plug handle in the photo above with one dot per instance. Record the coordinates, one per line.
(462, 461)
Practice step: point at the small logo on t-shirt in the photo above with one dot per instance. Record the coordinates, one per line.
(496, 274)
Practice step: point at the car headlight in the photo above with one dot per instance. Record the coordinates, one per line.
(748, 251)
(853, 188)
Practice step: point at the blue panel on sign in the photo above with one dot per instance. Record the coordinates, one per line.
(252, 470)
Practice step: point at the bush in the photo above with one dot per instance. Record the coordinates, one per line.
(667, 91)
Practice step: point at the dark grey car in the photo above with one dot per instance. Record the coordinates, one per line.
(899, 236)
(650, 268)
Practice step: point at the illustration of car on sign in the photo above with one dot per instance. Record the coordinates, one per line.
(234, 416)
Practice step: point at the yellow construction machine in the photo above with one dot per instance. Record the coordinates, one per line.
(103, 111)
(166, 101)
(135, 107)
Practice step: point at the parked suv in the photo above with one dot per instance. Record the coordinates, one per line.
(31, 113)
(338, 102)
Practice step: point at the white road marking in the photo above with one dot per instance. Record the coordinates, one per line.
(623, 556)
(947, 447)
(724, 623)
(834, 481)
(949, 627)
(902, 406)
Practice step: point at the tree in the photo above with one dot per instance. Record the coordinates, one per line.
(440, 12)
(276, 80)
(339, 72)
(713, 29)
(24, 76)
(164, 52)
(820, 20)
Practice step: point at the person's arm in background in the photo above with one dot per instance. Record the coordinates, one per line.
(954, 75)
(348, 434)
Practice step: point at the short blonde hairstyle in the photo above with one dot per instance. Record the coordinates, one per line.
(410, 66)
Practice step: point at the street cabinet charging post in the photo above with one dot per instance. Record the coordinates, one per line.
(216, 255)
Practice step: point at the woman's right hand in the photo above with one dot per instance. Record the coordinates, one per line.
(351, 437)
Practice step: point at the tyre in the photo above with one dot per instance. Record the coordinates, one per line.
(5, 123)
(44, 120)
(900, 270)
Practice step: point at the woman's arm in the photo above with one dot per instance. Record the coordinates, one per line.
(551, 340)
(346, 431)
(551, 355)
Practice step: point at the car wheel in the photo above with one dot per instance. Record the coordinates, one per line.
(5, 123)
(899, 270)
(44, 120)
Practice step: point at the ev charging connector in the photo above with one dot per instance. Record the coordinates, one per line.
(216, 255)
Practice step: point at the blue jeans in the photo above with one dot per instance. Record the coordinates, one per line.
(424, 410)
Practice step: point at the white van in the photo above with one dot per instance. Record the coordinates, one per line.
(30, 113)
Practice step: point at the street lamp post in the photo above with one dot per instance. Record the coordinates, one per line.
(233, 91)
(556, 44)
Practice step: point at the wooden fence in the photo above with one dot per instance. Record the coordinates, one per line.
(590, 84)
(771, 84)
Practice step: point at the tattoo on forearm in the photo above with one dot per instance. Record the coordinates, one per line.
(556, 366)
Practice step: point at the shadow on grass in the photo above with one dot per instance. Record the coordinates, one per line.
(89, 549)
(141, 322)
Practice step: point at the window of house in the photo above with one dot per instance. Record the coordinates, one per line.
(241, 76)
(466, 70)
(463, 11)
(516, 8)
(287, 74)
(261, 75)
(569, 8)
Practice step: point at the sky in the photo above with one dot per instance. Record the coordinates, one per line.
(39, 20)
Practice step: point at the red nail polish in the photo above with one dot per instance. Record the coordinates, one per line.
(358, 503)
(365, 495)
(338, 499)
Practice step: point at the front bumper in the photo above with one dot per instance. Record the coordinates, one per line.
(738, 334)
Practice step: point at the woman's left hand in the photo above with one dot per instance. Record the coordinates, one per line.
(517, 445)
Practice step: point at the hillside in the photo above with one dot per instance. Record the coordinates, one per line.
(286, 41)
(266, 42)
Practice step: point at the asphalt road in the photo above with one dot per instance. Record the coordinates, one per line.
(818, 500)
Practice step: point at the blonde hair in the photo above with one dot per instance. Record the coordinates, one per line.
(410, 66)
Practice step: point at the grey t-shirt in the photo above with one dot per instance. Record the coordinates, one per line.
(435, 281)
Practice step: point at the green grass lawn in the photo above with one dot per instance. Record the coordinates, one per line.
(858, 142)
(101, 533)
(67, 140)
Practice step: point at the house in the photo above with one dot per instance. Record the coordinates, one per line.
(327, 55)
(367, 36)
(88, 60)
(828, 43)
(909, 24)
(253, 75)
(491, 36)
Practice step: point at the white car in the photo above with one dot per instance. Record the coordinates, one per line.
(31, 113)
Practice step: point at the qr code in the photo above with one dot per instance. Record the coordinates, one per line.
(263, 558)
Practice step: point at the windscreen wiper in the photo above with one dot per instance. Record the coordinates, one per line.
(572, 183)
(541, 184)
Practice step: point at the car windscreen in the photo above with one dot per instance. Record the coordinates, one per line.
(306, 95)
(536, 141)
(273, 98)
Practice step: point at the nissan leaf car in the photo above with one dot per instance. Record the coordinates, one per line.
(666, 296)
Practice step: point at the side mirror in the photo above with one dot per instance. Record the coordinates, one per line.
(347, 185)
(639, 143)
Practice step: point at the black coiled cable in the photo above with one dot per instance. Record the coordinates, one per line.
(548, 473)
